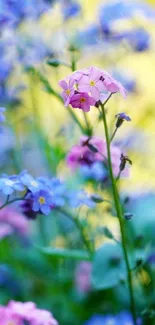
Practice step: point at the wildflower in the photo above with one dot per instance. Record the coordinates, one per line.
(9, 184)
(12, 221)
(68, 90)
(121, 117)
(92, 83)
(127, 80)
(42, 202)
(101, 319)
(83, 101)
(18, 313)
(28, 181)
(2, 117)
(79, 198)
(84, 155)
(96, 171)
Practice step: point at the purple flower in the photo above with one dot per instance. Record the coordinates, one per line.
(121, 117)
(68, 90)
(82, 101)
(2, 117)
(42, 202)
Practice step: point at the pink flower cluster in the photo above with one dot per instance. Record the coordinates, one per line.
(15, 313)
(85, 154)
(84, 88)
(12, 221)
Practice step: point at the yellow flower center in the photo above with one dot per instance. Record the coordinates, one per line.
(92, 83)
(68, 91)
(41, 200)
(82, 100)
(11, 323)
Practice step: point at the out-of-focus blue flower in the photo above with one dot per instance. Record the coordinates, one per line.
(122, 9)
(42, 202)
(102, 320)
(124, 318)
(31, 184)
(70, 8)
(32, 48)
(9, 184)
(139, 39)
(79, 198)
(96, 171)
(2, 117)
(89, 36)
(126, 80)
(14, 12)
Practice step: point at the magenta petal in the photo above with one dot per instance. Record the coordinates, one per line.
(85, 107)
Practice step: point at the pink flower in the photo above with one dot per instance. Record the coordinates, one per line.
(16, 312)
(92, 83)
(12, 221)
(82, 154)
(83, 277)
(68, 90)
(82, 101)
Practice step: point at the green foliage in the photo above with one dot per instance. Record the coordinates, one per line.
(108, 267)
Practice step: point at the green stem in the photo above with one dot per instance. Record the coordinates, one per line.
(80, 227)
(119, 214)
(11, 201)
(113, 135)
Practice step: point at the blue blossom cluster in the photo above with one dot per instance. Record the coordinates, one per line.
(96, 172)
(13, 12)
(124, 318)
(41, 195)
(105, 32)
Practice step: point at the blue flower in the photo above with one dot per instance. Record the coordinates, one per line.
(79, 198)
(9, 184)
(96, 171)
(42, 202)
(70, 9)
(120, 9)
(125, 318)
(31, 184)
(102, 320)
(2, 117)
(139, 39)
(89, 36)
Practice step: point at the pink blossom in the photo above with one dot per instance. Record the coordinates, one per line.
(82, 277)
(16, 312)
(68, 90)
(82, 101)
(82, 154)
(11, 221)
(92, 83)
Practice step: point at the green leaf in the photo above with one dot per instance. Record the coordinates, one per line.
(108, 267)
(65, 253)
(53, 62)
